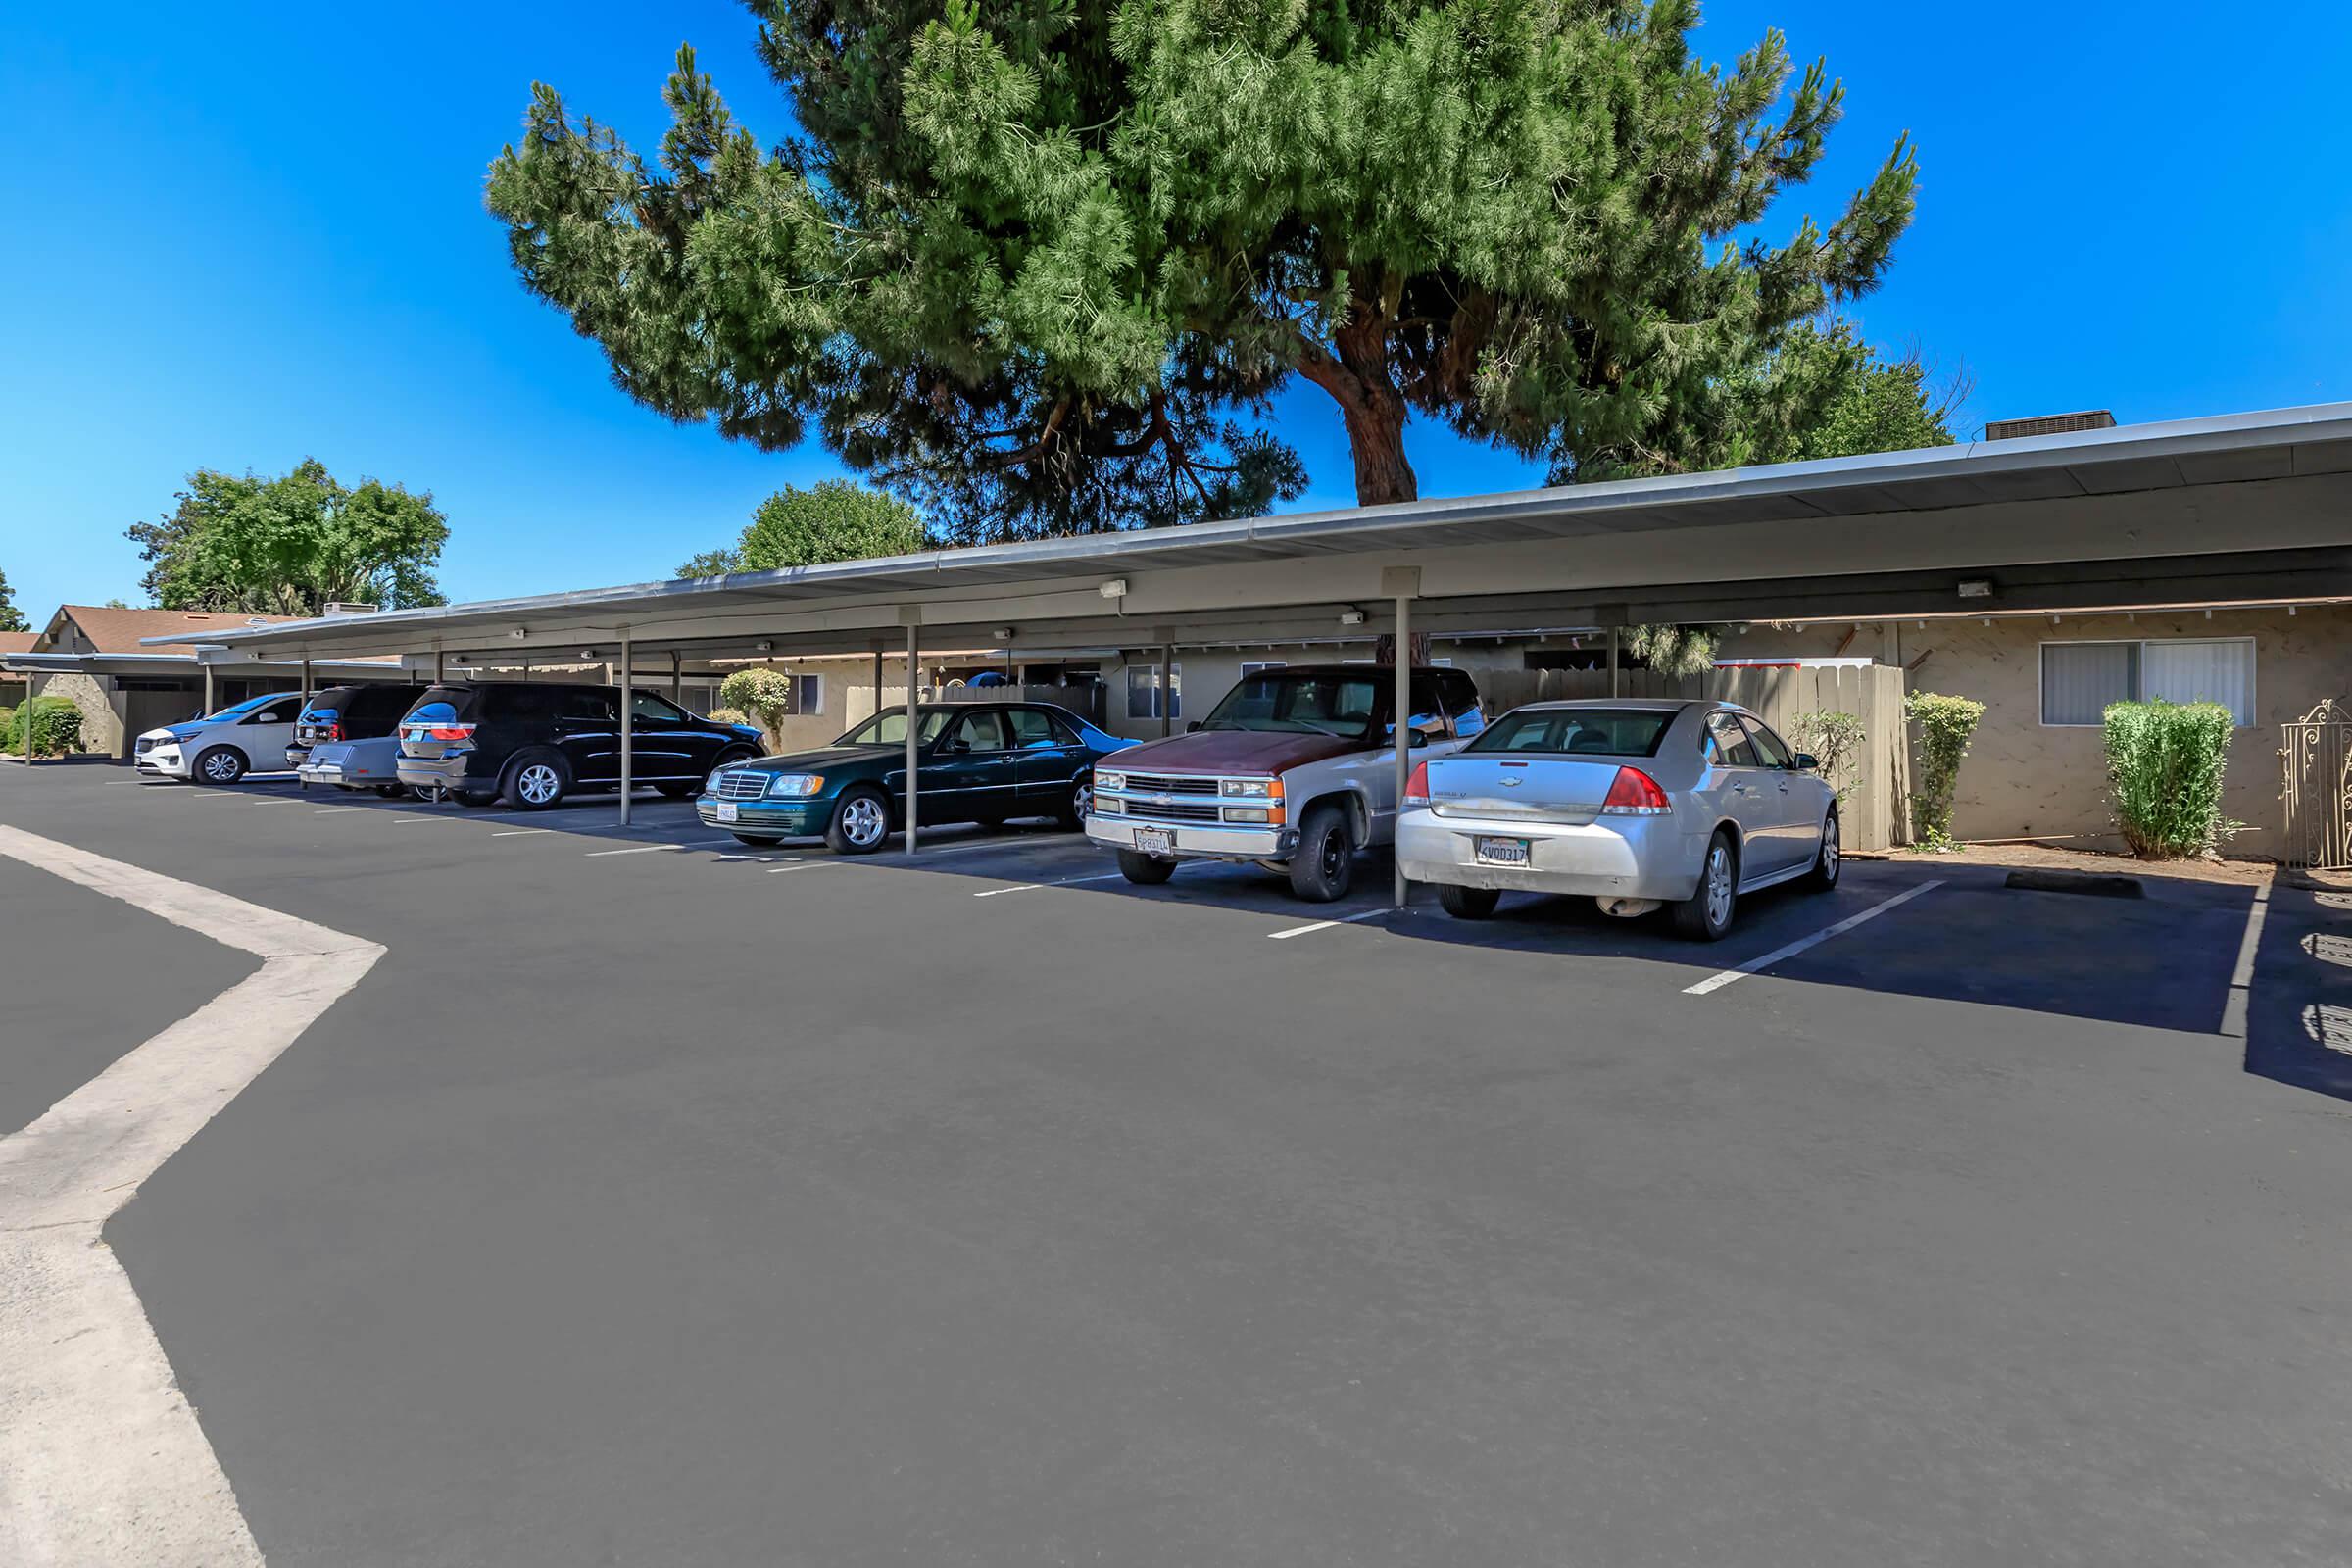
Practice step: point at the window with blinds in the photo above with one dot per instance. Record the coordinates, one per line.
(2079, 679)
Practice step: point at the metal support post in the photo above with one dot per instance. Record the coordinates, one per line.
(1403, 582)
(911, 616)
(1167, 688)
(209, 708)
(439, 675)
(628, 728)
(677, 677)
(877, 677)
(1612, 661)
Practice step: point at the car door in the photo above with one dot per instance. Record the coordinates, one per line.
(264, 734)
(587, 731)
(1742, 791)
(1796, 803)
(666, 740)
(969, 772)
(1046, 755)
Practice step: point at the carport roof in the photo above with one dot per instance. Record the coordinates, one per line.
(972, 586)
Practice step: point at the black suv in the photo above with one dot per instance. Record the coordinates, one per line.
(537, 742)
(350, 714)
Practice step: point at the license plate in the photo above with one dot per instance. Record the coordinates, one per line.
(1500, 852)
(728, 810)
(1154, 840)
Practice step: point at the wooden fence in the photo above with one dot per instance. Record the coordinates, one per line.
(1086, 698)
(1875, 811)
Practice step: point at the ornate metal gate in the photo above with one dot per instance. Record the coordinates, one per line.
(2318, 794)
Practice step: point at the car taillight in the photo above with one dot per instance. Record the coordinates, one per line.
(447, 732)
(1417, 788)
(334, 732)
(1634, 793)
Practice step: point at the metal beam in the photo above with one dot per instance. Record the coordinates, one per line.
(1402, 582)
(677, 677)
(629, 729)
(1167, 688)
(914, 618)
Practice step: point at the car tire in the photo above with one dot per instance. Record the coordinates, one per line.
(1143, 871)
(534, 781)
(1706, 915)
(759, 841)
(1077, 805)
(861, 822)
(1829, 860)
(1323, 869)
(1467, 904)
(219, 764)
(391, 792)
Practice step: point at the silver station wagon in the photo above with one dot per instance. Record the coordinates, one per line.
(1635, 803)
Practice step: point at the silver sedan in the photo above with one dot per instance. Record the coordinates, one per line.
(1635, 803)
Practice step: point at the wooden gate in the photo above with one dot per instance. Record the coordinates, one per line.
(2316, 750)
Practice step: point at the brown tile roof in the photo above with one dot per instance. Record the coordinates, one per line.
(118, 631)
(17, 642)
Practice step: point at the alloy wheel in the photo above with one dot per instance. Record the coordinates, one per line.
(1719, 884)
(538, 783)
(1082, 799)
(1829, 849)
(862, 822)
(220, 768)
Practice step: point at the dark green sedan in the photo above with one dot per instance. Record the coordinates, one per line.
(979, 762)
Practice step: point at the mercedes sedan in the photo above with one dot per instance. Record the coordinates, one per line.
(1635, 803)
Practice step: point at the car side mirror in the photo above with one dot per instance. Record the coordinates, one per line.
(1194, 726)
(1807, 761)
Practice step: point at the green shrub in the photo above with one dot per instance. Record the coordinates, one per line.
(1945, 724)
(763, 693)
(1835, 741)
(728, 715)
(56, 725)
(2165, 762)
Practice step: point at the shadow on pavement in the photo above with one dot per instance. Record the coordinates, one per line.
(2299, 1012)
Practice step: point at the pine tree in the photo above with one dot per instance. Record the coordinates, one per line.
(1042, 271)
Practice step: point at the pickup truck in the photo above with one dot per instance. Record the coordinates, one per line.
(1294, 770)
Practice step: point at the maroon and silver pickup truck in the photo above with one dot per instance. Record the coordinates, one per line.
(1294, 770)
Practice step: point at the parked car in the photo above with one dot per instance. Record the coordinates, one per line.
(977, 762)
(370, 764)
(354, 712)
(221, 747)
(1295, 769)
(1688, 804)
(536, 743)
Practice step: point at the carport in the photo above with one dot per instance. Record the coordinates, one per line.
(2245, 508)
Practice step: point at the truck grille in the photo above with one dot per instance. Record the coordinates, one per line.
(1174, 810)
(739, 784)
(1172, 784)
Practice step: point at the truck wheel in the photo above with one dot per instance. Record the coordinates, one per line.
(1142, 870)
(220, 764)
(1706, 915)
(1324, 867)
(1467, 904)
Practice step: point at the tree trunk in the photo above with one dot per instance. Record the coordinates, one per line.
(1355, 370)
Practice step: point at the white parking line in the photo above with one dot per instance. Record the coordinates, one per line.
(519, 832)
(329, 811)
(646, 849)
(961, 848)
(1323, 925)
(1065, 882)
(2241, 980)
(423, 816)
(801, 865)
(104, 1455)
(1716, 982)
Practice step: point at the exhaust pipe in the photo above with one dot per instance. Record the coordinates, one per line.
(1626, 909)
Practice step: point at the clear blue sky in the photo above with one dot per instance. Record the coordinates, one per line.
(238, 234)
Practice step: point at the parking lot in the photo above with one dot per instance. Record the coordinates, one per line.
(656, 1199)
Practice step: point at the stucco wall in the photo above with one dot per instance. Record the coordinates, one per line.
(2023, 777)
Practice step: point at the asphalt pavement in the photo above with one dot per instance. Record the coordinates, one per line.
(699, 1206)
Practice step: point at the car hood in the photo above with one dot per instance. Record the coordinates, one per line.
(172, 732)
(822, 757)
(1233, 751)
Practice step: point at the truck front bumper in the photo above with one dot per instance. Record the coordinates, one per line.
(1198, 841)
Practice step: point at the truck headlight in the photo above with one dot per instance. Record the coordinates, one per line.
(1246, 814)
(1249, 789)
(796, 784)
(1109, 781)
(1110, 808)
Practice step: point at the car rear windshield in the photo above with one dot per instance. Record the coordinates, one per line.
(443, 705)
(1298, 703)
(326, 704)
(1604, 731)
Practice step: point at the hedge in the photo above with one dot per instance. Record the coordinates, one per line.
(56, 726)
(1945, 724)
(2165, 762)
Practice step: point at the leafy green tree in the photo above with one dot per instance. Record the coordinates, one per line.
(1043, 273)
(833, 519)
(11, 618)
(292, 545)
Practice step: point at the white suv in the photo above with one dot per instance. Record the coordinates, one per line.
(224, 747)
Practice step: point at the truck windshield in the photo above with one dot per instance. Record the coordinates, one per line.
(1300, 702)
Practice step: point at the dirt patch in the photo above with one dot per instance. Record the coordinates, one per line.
(2046, 856)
